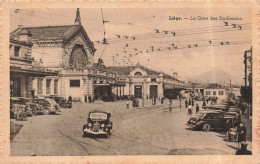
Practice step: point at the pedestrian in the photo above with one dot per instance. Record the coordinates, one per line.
(203, 104)
(133, 102)
(93, 99)
(139, 103)
(170, 105)
(190, 108)
(243, 150)
(127, 104)
(192, 102)
(241, 131)
(154, 101)
(89, 99)
(189, 102)
(207, 100)
(197, 108)
(162, 99)
(70, 99)
(186, 103)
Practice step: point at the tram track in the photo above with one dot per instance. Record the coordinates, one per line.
(107, 147)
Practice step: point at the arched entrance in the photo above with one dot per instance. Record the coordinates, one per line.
(78, 58)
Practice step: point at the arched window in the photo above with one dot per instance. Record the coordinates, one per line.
(78, 58)
(138, 74)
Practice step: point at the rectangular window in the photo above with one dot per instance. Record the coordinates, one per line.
(39, 86)
(220, 92)
(16, 51)
(153, 80)
(214, 92)
(56, 86)
(207, 92)
(48, 86)
(74, 83)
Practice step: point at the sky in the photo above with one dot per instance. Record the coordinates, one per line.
(137, 30)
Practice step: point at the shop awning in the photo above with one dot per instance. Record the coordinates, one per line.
(32, 72)
(101, 84)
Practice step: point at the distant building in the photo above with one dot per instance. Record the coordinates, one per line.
(246, 90)
(215, 90)
(23, 69)
(248, 67)
(143, 82)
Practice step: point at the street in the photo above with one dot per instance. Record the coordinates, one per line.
(152, 130)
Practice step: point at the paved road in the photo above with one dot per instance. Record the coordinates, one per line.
(152, 130)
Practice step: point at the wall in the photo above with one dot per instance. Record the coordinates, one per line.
(224, 96)
(51, 56)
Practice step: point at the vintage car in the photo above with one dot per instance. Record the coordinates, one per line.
(63, 103)
(22, 101)
(56, 105)
(98, 123)
(47, 105)
(37, 109)
(27, 101)
(207, 120)
(17, 111)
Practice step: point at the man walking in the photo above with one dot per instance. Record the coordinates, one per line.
(190, 108)
(127, 104)
(204, 104)
(186, 103)
(197, 108)
(241, 131)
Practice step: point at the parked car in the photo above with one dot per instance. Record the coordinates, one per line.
(56, 105)
(98, 123)
(17, 111)
(25, 101)
(63, 103)
(208, 120)
(37, 109)
(47, 105)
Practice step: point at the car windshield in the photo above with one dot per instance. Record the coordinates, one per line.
(98, 116)
(52, 101)
(200, 115)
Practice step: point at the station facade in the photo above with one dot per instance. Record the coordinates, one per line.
(142, 82)
(65, 55)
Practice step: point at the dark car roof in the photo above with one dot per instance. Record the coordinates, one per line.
(211, 111)
(99, 112)
(22, 98)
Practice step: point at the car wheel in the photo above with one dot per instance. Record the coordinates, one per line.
(206, 127)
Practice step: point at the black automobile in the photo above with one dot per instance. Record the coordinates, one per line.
(63, 103)
(98, 123)
(47, 105)
(208, 120)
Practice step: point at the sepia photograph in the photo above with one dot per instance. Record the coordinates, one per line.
(130, 81)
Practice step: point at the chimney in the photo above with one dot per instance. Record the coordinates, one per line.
(175, 75)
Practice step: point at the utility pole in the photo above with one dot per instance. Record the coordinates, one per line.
(180, 102)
